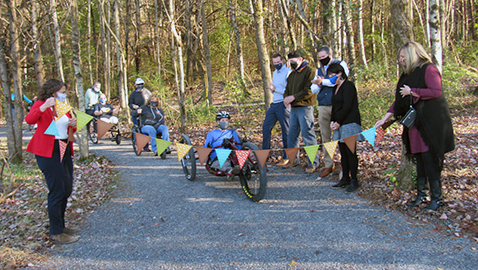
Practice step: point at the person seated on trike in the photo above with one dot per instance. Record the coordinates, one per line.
(219, 136)
(105, 111)
(152, 121)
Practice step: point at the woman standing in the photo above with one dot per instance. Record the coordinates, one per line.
(432, 134)
(58, 173)
(345, 122)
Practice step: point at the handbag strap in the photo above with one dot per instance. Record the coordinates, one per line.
(411, 100)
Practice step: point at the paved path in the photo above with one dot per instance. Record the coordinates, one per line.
(160, 220)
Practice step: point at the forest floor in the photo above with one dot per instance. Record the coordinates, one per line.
(23, 218)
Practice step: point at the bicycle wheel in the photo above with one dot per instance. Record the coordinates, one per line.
(118, 136)
(133, 138)
(189, 160)
(253, 177)
(92, 133)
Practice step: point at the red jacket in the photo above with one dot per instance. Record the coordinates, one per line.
(42, 144)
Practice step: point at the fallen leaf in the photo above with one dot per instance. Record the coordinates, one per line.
(292, 263)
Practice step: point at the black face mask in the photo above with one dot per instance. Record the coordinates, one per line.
(293, 65)
(325, 61)
(153, 104)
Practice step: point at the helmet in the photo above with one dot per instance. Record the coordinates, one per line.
(222, 114)
(139, 81)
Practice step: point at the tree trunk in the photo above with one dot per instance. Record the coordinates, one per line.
(137, 38)
(189, 41)
(88, 26)
(303, 19)
(326, 18)
(291, 31)
(122, 84)
(156, 29)
(347, 18)
(207, 54)
(57, 44)
(37, 55)
(75, 40)
(103, 42)
(7, 99)
(402, 27)
(256, 9)
(435, 35)
(240, 57)
(107, 59)
(360, 34)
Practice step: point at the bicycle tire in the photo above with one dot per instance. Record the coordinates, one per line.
(188, 162)
(253, 177)
(135, 130)
(92, 131)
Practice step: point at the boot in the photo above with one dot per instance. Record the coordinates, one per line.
(342, 183)
(421, 195)
(353, 186)
(437, 197)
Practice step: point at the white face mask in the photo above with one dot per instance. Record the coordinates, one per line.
(96, 89)
(224, 124)
(61, 97)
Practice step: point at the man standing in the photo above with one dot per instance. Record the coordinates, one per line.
(323, 86)
(300, 98)
(138, 97)
(277, 110)
(92, 97)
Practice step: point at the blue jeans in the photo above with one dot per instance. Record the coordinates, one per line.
(151, 131)
(302, 122)
(59, 179)
(277, 112)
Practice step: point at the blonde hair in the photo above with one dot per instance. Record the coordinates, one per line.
(152, 97)
(415, 56)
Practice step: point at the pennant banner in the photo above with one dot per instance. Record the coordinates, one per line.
(102, 127)
(330, 147)
(350, 142)
(222, 155)
(311, 151)
(82, 119)
(203, 153)
(61, 108)
(161, 145)
(262, 156)
(141, 141)
(369, 135)
(292, 154)
(52, 129)
(182, 150)
(63, 146)
(242, 156)
(379, 136)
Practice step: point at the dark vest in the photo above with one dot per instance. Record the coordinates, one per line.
(324, 97)
(416, 79)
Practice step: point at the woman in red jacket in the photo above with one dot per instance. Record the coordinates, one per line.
(58, 173)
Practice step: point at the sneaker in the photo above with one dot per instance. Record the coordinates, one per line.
(352, 187)
(64, 238)
(283, 162)
(310, 169)
(146, 149)
(168, 151)
(343, 183)
(326, 172)
(72, 230)
(433, 206)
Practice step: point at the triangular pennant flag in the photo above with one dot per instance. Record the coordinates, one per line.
(350, 142)
(102, 127)
(262, 156)
(82, 119)
(141, 141)
(379, 136)
(161, 145)
(330, 147)
(311, 151)
(222, 155)
(242, 156)
(63, 146)
(291, 153)
(71, 138)
(203, 153)
(369, 134)
(62, 108)
(182, 150)
(52, 129)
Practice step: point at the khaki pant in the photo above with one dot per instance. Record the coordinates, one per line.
(325, 113)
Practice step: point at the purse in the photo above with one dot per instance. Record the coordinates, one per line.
(408, 120)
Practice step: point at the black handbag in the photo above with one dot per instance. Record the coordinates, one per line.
(408, 120)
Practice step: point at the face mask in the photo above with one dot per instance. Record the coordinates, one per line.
(293, 65)
(278, 66)
(153, 104)
(139, 86)
(325, 61)
(333, 79)
(61, 97)
(102, 100)
(96, 89)
(223, 124)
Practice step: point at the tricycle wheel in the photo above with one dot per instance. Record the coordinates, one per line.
(189, 160)
(253, 176)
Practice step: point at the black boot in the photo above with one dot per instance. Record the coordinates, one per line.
(421, 195)
(353, 186)
(342, 183)
(437, 197)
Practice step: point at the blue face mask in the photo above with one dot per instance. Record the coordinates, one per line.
(139, 86)
(61, 97)
(333, 79)
(102, 100)
(278, 66)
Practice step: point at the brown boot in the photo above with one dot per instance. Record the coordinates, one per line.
(326, 172)
(64, 238)
(71, 230)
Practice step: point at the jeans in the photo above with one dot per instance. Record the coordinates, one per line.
(301, 121)
(325, 113)
(277, 112)
(151, 131)
(59, 179)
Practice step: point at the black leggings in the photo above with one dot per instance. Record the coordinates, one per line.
(349, 162)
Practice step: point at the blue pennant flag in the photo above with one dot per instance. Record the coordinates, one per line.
(52, 129)
(369, 134)
(222, 155)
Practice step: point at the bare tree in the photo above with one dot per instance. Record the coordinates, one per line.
(37, 54)
(207, 53)
(435, 34)
(6, 97)
(360, 34)
(57, 43)
(120, 58)
(402, 27)
(237, 36)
